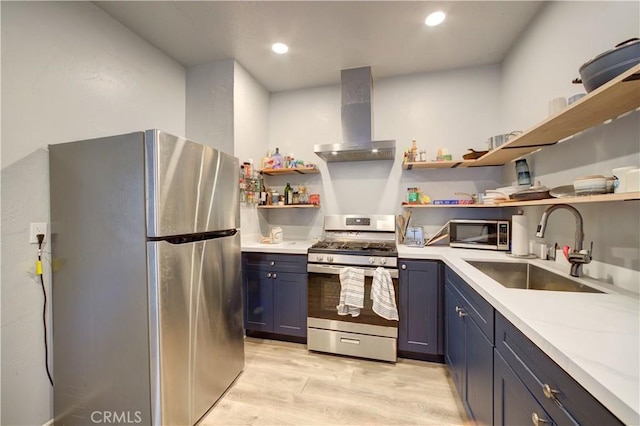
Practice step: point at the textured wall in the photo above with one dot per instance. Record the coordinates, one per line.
(251, 129)
(209, 104)
(69, 72)
(455, 110)
(541, 66)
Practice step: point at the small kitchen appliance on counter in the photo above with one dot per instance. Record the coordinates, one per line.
(364, 242)
(414, 237)
(485, 234)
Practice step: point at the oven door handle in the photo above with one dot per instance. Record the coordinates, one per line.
(335, 270)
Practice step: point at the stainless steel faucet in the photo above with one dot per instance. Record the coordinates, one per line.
(578, 256)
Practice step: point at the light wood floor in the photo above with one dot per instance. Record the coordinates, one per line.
(284, 384)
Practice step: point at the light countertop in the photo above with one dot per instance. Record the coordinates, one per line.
(285, 247)
(593, 337)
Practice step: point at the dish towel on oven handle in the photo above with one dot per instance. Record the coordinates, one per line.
(383, 295)
(351, 291)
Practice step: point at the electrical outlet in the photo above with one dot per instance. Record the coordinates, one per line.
(37, 228)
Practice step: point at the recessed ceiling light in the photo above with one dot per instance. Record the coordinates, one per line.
(435, 18)
(280, 48)
(374, 150)
(334, 153)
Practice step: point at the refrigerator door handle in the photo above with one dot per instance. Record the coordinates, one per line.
(192, 238)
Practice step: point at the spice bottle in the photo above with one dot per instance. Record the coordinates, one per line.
(288, 194)
(414, 151)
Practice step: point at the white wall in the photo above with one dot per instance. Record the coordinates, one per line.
(69, 71)
(455, 110)
(541, 66)
(209, 104)
(251, 128)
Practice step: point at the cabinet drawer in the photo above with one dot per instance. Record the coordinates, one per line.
(353, 344)
(571, 403)
(475, 306)
(275, 262)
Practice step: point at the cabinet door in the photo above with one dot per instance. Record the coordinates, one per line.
(479, 374)
(513, 403)
(420, 300)
(454, 339)
(258, 300)
(290, 304)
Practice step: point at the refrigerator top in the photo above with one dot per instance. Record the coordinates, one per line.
(190, 188)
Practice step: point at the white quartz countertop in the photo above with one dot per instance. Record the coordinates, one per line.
(593, 337)
(285, 247)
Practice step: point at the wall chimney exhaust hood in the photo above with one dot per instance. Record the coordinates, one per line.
(356, 85)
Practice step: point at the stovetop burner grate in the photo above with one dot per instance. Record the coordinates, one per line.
(364, 247)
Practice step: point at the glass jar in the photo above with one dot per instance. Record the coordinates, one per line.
(522, 171)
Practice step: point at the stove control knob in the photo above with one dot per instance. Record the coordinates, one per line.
(329, 258)
(383, 261)
(320, 258)
(372, 260)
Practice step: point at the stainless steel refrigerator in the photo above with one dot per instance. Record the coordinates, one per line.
(147, 306)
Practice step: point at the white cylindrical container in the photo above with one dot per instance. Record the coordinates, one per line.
(556, 105)
(620, 175)
(519, 235)
(633, 180)
(276, 235)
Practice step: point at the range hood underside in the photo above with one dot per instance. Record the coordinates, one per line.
(338, 152)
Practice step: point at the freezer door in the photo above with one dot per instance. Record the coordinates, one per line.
(196, 334)
(190, 188)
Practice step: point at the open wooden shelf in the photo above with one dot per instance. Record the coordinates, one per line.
(625, 196)
(616, 97)
(290, 171)
(291, 206)
(437, 164)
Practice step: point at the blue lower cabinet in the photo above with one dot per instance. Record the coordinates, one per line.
(420, 307)
(479, 380)
(513, 404)
(275, 302)
(455, 340)
(468, 349)
(290, 304)
(258, 300)
(563, 399)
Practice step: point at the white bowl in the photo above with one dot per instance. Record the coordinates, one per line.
(590, 185)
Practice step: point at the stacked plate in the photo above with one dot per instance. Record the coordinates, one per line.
(495, 196)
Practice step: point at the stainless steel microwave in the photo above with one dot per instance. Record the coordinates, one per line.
(485, 234)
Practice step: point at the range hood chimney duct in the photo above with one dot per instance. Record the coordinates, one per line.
(356, 87)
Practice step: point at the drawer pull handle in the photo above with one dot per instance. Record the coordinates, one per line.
(275, 275)
(462, 313)
(548, 392)
(536, 420)
(272, 263)
(268, 274)
(404, 266)
(458, 308)
(350, 341)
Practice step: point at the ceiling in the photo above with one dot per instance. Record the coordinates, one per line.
(327, 36)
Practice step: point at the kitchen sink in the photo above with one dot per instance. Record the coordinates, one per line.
(529, 277)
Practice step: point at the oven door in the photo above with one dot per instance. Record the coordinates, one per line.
(324, 296)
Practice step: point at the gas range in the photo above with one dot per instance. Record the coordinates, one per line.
(367, 243)
(357, 240)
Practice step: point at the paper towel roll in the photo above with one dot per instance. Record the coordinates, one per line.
(519, 235)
